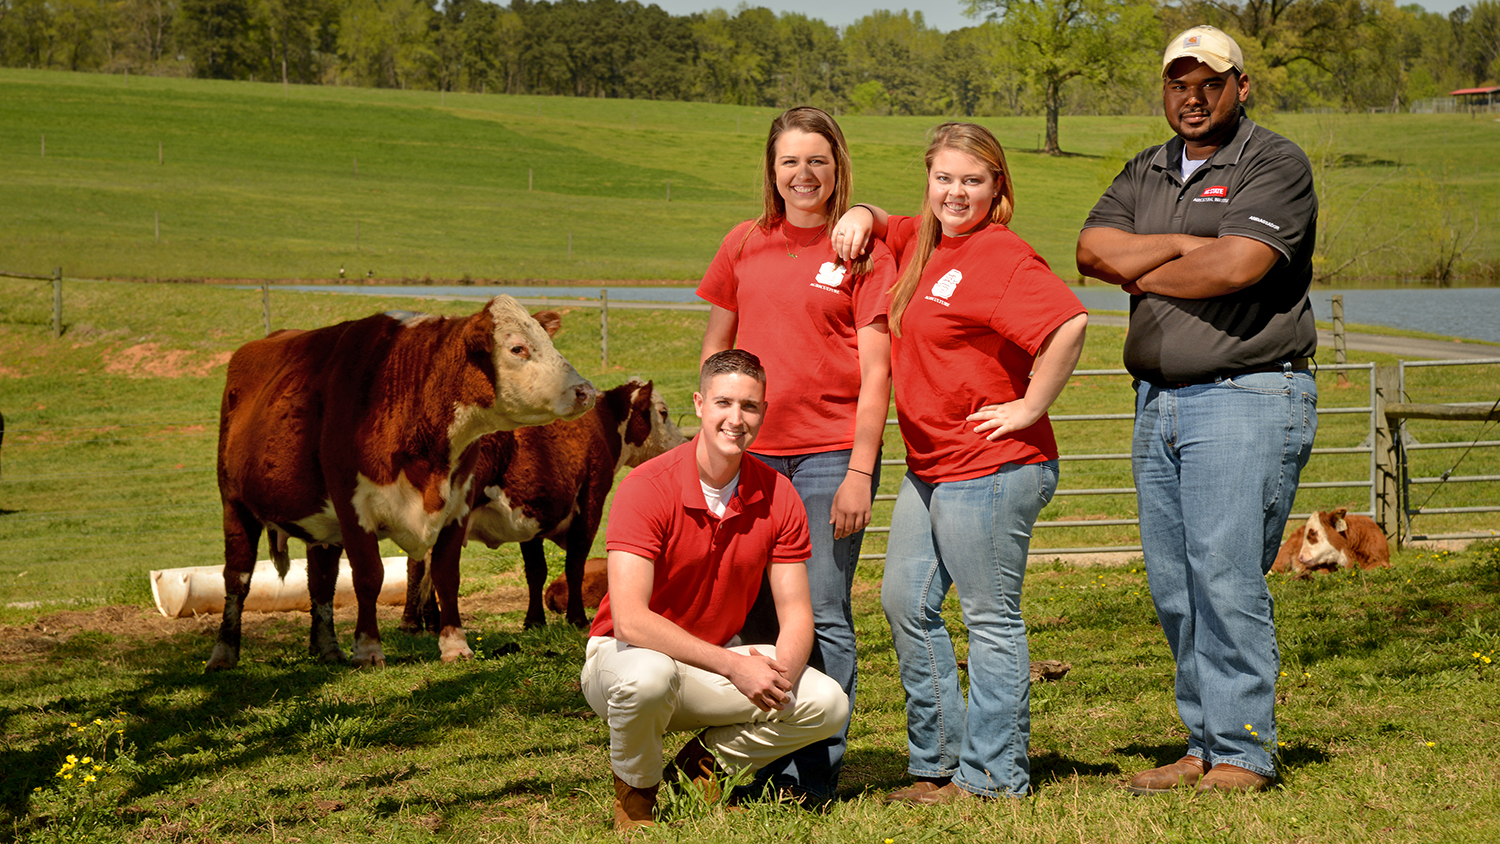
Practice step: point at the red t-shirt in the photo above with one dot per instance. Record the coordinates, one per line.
(708, 570)
(968, 339)
(799, 316)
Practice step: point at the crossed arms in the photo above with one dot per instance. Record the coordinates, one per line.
(1179, 265)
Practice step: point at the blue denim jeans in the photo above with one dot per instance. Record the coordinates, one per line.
(972, 534)
(830, 574)
(1216, 469)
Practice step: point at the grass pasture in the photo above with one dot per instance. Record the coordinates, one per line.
(1386, 708)
(253, 180)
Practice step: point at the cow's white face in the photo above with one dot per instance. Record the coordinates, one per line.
(664, 434)
(1322, 543)
(534, 384)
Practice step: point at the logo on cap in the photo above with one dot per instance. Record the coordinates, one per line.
(1190, 41)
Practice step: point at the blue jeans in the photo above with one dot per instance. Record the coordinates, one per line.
(972, 534)
(830, 575)
(1216, 469)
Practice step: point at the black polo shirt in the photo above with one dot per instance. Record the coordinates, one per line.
(1257, 185)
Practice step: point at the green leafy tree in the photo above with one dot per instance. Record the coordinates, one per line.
(1294, 48)
(141, 31)
(386, 43)
(1481, 43)
(1057, 41)
(811, 65)
(295, 38)
(215, 35)
(978, 73)
(898, 51)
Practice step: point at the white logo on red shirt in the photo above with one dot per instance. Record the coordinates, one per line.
(944, 287)
(830, 275)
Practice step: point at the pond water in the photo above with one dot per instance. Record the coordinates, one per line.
(1468, 312)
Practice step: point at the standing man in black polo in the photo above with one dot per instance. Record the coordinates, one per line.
(1212, 234)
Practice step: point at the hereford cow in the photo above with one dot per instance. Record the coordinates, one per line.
(1330, 541)
(362, 431)
(550, 483)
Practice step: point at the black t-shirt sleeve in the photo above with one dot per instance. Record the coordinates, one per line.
(1274, 203)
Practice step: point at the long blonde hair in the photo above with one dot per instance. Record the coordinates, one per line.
(978, 143)
(814, 121)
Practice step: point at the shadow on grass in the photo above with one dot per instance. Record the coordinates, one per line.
(186, 725)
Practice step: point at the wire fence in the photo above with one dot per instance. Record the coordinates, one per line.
(87, 510)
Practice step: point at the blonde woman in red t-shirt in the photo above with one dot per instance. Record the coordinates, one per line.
(985, 338)
(818, 324)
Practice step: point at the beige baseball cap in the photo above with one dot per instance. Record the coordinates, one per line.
(1207, 44)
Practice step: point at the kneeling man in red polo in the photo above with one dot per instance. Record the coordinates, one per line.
(691, 534)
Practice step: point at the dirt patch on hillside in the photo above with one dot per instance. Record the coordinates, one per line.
(149, 360)
(130, 626)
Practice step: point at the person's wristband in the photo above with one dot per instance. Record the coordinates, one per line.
(861, 471)
(864, 206)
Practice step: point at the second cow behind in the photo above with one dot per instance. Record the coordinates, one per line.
(550, 483)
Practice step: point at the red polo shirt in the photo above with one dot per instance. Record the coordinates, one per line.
(708, 570)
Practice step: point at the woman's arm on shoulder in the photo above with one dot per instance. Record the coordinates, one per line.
(852, 233)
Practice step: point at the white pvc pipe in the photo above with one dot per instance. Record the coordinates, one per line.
(200, 589)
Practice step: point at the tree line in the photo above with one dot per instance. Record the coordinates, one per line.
(1018, 57)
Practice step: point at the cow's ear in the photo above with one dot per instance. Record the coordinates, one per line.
(1338, 522)
(479, 337)
(551, 321)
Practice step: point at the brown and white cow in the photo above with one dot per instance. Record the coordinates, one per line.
(551, 483)
(366, 430)
(1331, 541)
(595, 585)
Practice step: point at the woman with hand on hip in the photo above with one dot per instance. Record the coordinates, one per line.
(818, 324)
(985, 338)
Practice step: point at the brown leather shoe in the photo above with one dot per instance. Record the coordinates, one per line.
(699, 765)
(949, 793)
(912, 792)
(633, 806)
(1227, 777)
(1184, 773)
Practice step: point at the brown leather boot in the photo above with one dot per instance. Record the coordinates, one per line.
(1184, 773)
(1227, 777)
(699, 765)
(633, 806)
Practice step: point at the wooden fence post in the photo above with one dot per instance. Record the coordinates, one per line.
(604, 327)
(56, 303)
(1387, 455)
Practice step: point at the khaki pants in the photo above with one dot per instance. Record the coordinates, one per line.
(643, 694)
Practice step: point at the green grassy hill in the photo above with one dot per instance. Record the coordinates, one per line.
(253, 180)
